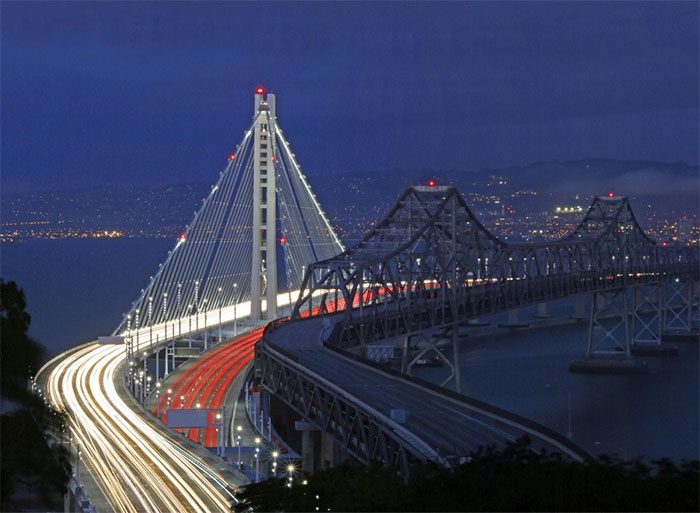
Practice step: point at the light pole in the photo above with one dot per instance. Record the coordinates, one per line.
(196, 304)
(275, 454)
(141, 386)
(257, 464)
(220, 434)
(235, 317)
(150, 321)
(136, 323)
(189, 319)
(179, 309)
(238, 441)
(219, 315)
(131, 377)
(204, 305)
(165, 319)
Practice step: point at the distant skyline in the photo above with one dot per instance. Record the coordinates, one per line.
(155, 93)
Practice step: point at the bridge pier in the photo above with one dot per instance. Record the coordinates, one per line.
(514, 320)
(678, 311)
(408, 360)
(332, 454)
(647, 321)
(608, 349)
(308, 449)
(542, 312)
(580, 308)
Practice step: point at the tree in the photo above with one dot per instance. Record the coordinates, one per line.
(25, 457)
(20, 355)
(515, 478)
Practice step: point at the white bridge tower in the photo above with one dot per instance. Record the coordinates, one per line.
(264, 261)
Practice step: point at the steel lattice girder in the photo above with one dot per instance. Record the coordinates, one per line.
(365, 435)
(430, 256)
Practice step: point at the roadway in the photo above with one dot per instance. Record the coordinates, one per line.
(206, 382)
(448, 425)
(138, 465)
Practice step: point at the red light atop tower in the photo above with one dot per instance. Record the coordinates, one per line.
(232, 156)
(183, 236)
(611, 194)
(283, 240)
(260, 90)
(432, 183)
(664, 244)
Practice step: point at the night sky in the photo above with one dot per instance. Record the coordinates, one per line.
(138, 93)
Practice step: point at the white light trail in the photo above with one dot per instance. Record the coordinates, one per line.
(138, 467)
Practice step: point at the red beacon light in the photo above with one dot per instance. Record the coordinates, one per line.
(432, 183)
(611, 194)
(664, 244)
(183, 236)
(232, 156)
(260, 90)
(283, 240)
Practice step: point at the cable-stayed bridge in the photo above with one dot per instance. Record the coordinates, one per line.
(260, 241)
(224, 265)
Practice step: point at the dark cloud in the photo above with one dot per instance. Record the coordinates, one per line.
(157, 92)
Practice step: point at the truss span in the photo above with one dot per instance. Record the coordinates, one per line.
(430, 262)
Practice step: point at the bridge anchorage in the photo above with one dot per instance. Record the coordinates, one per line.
(359, 324)
(256, 231)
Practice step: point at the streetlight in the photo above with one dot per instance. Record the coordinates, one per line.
(204, 302)
(238, 441)
(235, 316)
(165, 318)
(275, 454)
(141, 386)
(257, 464)
(219, 290)
(179, 309)
(196, 304)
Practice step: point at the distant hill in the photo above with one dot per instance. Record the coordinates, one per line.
(354, 200)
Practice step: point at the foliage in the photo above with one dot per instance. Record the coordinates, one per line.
(20, 356)
(512, 479)
(25, 458)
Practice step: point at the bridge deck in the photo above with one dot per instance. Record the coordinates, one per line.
(448, 425)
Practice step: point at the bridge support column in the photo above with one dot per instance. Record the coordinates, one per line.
(678, 307)
(608, 349)
(542, 312)
(308, 451)
(647, 321)
(404, 353)
(165, 359)
(580, 308)
(514, 320)
(455, 358)
(331, 452)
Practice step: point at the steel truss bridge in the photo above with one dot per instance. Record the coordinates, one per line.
(430, 264)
